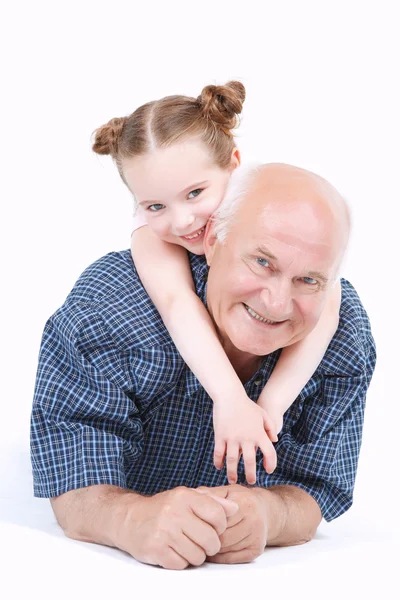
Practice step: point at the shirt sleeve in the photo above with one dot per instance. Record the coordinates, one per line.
(85, 426)
(319, 446)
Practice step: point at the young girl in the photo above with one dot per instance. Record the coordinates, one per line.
(176, 155)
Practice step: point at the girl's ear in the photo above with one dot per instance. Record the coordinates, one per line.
(235, 158)
(210, 240)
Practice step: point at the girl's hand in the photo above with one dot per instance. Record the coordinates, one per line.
(240, 427)
(274, 422)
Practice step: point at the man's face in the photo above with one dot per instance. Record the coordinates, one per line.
(268, 281)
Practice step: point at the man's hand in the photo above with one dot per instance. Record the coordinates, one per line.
(176, 528)
(245, 536)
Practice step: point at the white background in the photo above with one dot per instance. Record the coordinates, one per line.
(322, 81)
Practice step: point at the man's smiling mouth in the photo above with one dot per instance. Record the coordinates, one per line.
(258, 317)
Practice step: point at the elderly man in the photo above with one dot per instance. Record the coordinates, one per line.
(122, 435)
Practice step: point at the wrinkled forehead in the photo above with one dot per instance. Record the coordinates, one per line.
(295, 225)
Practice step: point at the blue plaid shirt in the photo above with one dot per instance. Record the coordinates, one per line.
(115, 403)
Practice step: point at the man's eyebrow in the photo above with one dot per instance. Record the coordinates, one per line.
(318, 275)
(188, 189)
(266, 252)
(313, 274)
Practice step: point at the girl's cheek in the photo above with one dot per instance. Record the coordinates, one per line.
(216, 201)
(206, 211)
(161, 228)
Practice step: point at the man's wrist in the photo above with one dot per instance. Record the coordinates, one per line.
(292, 514)
(122, 518)
(275, 511)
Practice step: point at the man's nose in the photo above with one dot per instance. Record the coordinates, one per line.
(277, 299)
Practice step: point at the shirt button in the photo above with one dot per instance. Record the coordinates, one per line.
(257, 382)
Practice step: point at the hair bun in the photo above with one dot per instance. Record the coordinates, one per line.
(108, 136)
(223, 103)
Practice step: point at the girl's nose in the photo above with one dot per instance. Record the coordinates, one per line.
(183, 223)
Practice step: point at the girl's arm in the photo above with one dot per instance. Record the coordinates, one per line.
(298, 362)
(239, 423)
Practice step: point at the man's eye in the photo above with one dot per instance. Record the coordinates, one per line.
(309, 280)
(262, 262)
(194, 193)
(155, 207)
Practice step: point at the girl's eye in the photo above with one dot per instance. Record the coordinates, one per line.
(155, 207)
(262, 261)
(309, 280)
(195, 193)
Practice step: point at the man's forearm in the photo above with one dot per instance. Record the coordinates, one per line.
(94, 514)
(292, 515)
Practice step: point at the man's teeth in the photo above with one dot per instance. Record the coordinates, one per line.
(256, 316)
(195, 235)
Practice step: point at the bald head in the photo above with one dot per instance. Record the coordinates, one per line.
(276, 191)
(288, 186)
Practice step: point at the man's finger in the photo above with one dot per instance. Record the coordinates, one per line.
(222, 491)
(229, 507)
(204, 508)
(234, 539)
(191, 551)
(171, 560)
(232, 558)
(203, 536)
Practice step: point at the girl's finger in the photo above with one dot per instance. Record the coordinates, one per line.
(269, 457)
(219, 453)
(270, 429)
(232, 459)
(249, 459)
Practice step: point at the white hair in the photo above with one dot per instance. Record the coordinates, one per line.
(238, 187)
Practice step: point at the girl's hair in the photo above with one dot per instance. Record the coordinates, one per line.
(210, 117)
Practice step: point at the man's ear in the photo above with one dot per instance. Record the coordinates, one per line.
(210, 240)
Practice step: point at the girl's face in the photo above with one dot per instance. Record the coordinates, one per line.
(178, 188)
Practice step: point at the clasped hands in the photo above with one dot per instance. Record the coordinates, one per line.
(185, 526)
